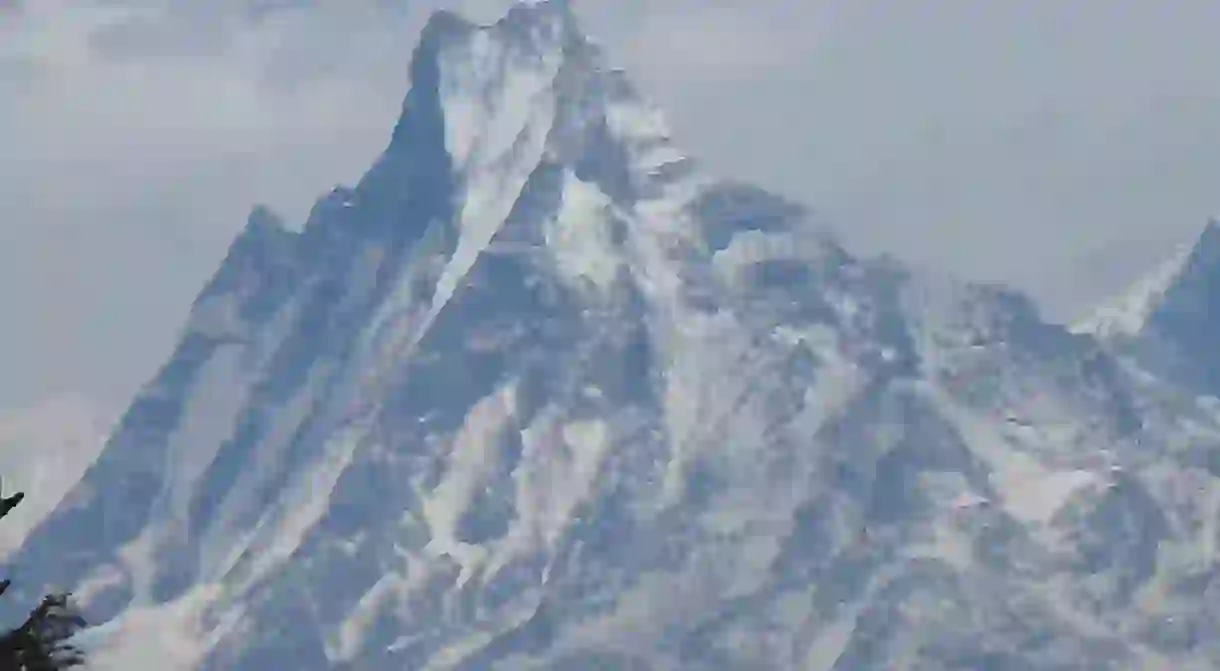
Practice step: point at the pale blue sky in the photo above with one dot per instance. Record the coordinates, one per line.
(1063, 147)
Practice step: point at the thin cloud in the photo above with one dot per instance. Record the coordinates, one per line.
(973, 136)
(125, 175)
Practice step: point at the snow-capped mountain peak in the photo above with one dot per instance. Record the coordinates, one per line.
(538, 393)
(1169, 320)
(1197, 284)
(1190, 271)
(531, 82)
(1126, 314)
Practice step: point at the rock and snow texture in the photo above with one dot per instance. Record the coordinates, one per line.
(537, 393)
(1166, 324)
(1126, 314)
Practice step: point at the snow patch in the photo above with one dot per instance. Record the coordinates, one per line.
(646, 131)
(1037, 494)
(302, 506)
(1029, 491)
(1126, 314)
(579, 234)
(139, 561)
(830, 643)
(98, 581)
(473, 457)
(165, 636)
(208, 420)
(948, 545)
(347, 640)
(496, 139)
(560, 466)
(224, 542)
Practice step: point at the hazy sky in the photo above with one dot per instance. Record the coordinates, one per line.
(1060, 146)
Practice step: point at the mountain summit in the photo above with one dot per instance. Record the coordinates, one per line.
(539, 393)
(1168, 320)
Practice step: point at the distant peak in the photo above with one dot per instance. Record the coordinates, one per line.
(542, 10)
(1126, 314)
(555, 6)
(1199, 277)
(444, 24)
(263, 220)
(1187, 317)
(459, 72)
(265, 233)
(1206, 249)
(441, 26)
(542, 7)
(1181, 285)
(539, 24)
(532, 19)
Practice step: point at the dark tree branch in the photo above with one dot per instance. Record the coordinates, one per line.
(41, 642)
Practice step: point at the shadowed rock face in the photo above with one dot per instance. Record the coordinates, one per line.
(537, 393)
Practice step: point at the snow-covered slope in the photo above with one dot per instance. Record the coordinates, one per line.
(1168, 321)
(538, 393)
(1127, 314)
(44, 451)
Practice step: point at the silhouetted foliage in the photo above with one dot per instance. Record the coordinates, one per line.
(41, 642)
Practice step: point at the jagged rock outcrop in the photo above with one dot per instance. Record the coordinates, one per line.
(539, 393)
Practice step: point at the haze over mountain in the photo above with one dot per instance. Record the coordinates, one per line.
(538, 392)
(46, 449)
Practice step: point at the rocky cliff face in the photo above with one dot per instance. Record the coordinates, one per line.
(538, 393)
